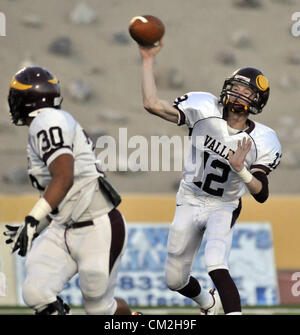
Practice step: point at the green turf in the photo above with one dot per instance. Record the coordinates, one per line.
(166, 310)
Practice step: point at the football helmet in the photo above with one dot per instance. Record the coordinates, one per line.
(30, 89)
(239, 103)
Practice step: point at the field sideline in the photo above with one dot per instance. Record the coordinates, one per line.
(253, 310)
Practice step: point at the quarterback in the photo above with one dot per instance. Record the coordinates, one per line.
(228, 152)
(85, 234)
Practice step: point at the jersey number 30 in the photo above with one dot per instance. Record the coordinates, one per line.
(55, 139)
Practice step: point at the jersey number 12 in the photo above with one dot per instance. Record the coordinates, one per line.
(206, 184)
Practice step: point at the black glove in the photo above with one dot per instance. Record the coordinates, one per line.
(24, 236)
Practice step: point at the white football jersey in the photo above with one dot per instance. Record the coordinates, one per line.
(207, 170)
(55, 132)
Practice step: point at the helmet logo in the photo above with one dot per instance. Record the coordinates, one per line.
(18, 86)
(53, 81)
(262, 82)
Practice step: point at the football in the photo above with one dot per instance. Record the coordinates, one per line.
(146, 30)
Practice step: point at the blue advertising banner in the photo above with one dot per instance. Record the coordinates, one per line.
(141, 274)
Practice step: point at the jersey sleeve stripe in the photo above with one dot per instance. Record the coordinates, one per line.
(181, 115)
(48, 154)
(262, 167)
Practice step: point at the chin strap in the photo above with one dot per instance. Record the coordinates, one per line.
(236, 107)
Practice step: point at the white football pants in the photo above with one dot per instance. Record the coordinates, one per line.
(194, 216)
(93, 252)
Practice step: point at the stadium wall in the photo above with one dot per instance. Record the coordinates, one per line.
(280, 211)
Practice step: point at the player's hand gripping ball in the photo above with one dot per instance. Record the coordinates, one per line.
(146, 30)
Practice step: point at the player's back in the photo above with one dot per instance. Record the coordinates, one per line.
(55, 132)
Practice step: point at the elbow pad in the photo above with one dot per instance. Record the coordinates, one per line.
(263, 195)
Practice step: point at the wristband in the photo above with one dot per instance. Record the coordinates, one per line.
(41, 209)
(245, 175)
(42, 225)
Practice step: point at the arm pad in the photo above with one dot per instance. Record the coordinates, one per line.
(263, 195)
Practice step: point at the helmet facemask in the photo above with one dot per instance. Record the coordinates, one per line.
(237, 102)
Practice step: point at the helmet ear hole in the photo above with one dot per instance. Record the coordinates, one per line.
(57, 101)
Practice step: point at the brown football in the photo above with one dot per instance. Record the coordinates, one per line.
(146, 30)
